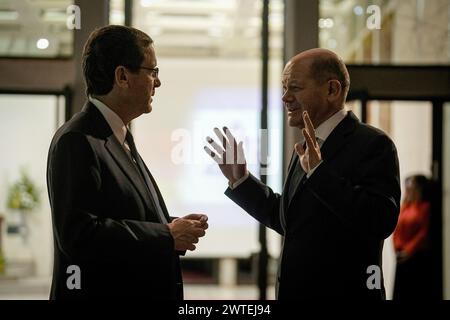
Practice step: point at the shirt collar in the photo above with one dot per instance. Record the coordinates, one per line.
(115, 122)
(325, 128)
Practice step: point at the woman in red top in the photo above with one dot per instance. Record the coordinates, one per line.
(413, 274)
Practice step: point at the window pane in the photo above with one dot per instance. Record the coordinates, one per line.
(387, 31)
(35, 28)
(414, 158)
(117, 12)
(29, 122)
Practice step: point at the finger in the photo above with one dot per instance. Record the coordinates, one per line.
(205, 226)
(231, 139)
(196, 216)
(228, 134)
(309, 141)
(213, 155)
(232, 154)
(216, 147)
(309, 126)
(190, 247)
(240, 153)
(221, 137)
(198, 232)
(299, 149)
(187, 238)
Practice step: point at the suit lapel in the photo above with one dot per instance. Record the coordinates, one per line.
(102, 129)
(332, 144)
(338, 136)
(284, 196)
(160, 198)
(131, 171)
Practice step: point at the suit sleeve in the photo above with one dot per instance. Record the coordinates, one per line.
(259, 201)
(370, 202)
(74, 182)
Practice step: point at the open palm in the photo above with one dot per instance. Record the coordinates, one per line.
(229, 155)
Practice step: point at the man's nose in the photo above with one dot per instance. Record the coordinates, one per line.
(157, 82)
(286, 97)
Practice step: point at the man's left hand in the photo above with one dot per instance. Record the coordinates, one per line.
(309, 157)
(203, 218)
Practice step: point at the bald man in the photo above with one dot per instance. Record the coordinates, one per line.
(341, 196)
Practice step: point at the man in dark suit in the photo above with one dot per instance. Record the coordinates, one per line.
(341, 196)
(109, 219)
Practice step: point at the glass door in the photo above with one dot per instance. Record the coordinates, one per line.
(446, 199)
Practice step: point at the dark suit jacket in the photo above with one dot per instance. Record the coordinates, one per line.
(104, 217)
(336, 223)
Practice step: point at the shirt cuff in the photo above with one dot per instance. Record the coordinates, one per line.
(237, 183)
(310, 173)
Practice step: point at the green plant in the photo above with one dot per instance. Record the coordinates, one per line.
(2, 263)
(23, 194)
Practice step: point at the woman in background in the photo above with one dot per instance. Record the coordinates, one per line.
(413, 277)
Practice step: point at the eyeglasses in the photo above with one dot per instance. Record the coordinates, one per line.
(155, 71)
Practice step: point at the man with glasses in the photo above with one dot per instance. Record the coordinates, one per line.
(109, 218)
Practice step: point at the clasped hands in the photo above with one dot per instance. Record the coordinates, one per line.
(187, 230)
(229, 155)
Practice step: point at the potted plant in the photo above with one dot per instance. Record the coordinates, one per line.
(23, 197)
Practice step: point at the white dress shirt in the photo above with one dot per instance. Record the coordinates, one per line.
(115, 122)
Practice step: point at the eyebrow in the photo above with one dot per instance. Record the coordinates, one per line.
(291, 81)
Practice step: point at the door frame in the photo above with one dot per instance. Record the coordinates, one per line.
(413, 83)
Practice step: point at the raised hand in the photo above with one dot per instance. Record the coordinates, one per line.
(309, 157)
(229, 155)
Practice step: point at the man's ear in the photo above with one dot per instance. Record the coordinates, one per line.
(121, 77)
(334, 89)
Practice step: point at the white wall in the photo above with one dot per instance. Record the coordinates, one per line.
(27, 126)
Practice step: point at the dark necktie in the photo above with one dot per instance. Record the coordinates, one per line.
(298, 176)
(141, 168)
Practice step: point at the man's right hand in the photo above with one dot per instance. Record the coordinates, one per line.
(230, 156)
(186, 232)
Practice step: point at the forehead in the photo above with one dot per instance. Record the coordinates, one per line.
(150, 55)
(296, 71)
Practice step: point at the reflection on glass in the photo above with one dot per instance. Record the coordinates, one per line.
(211, 28)
(387, 31)
(35, 28)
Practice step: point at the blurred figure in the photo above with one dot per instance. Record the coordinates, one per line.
(411, 241)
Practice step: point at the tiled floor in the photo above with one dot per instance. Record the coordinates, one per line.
(37, 289)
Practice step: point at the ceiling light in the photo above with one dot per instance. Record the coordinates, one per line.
(42, 44)
(358, 10)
